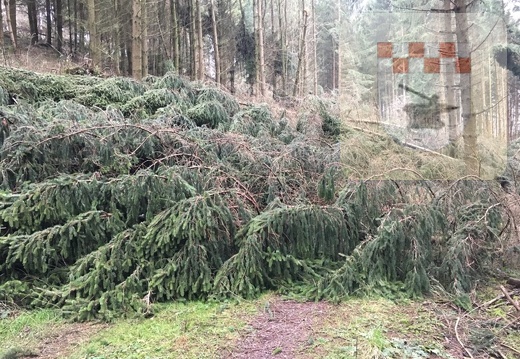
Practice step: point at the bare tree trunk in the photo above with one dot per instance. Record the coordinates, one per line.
(283, 41)
(175, 36)
(12, 19)
(1, 28)
(193, 53)
(48, 40)
(259, 47)
(69, 15)
(200, 41)
(314, 55)
(144, 38)
(215, 42)
(59, 24)
(94, 43)
(9, 23)
(339, 67)
(468, 118)
(302, 53)
(449, 82)
(33, 20)
(137, 41)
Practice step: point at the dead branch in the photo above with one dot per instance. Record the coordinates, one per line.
(460, 342)
(509, 299)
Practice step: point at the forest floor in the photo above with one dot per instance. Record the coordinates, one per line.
(277, 327)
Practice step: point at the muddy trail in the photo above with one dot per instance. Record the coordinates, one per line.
(283, 329)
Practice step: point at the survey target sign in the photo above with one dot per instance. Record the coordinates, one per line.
(434, 74)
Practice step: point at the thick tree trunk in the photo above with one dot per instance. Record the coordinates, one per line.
(94, 43)
(48, 40)
(301, 55)
(1, 28)
(215, 42)
(12, 19)
(33, 20)
(259, 47)
(468, 118)
(59, 24)
(137, 41)
(9, 24)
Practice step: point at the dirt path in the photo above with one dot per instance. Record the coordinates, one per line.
(282, 330)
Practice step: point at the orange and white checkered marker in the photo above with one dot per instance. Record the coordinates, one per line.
(424, 57)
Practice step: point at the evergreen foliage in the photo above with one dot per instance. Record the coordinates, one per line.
(160, 190)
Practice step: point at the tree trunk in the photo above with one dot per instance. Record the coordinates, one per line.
(175, 36)
(69, 15)
(48, 40)
(193, 53)
(200, 41)
(33, 20)
(1, 28)
(137, 41)
(12, 19)
(215, 42)
(301, 55)
(9, 23)
(314, 55)
(94, 43)
(259, 47)
(59, 24)
(468, 118)
(144, 38)
(282, 21)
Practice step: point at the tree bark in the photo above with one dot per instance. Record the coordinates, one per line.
(33, 20)
(193, 52)
(144, 39)
(9, 23)
(200, 41)
(48, 40)
(94, 43)
(468, 118)
(137, 41)
(175, 36)
(1, 28)
(215, 42)
(314, 55)
(259, 32)
(12, 18)
(59, 24)
(301, 55)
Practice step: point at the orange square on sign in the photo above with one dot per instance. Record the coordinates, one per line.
(463, 65)
(447, 49)
(400, 66)
(384, 49)
(432, 65)
(416, 49)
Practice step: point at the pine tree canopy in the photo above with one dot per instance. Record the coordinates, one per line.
(115, 190)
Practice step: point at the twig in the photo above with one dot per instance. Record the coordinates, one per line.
(510, 348)
(509, 299)
(460, 342)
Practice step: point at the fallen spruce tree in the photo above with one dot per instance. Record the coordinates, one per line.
(119, 193)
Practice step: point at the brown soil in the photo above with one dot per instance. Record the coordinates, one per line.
(282, 330)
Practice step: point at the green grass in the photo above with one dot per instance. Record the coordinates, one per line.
(178, 330)
(373, 328)
(23, 331)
